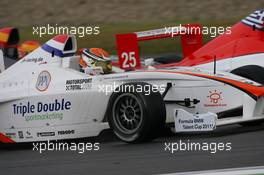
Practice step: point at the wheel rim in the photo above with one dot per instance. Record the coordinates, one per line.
(127, 113)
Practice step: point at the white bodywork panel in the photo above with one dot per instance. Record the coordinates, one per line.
(230, 64)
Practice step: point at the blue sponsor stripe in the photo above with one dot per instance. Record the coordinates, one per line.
(57, 52)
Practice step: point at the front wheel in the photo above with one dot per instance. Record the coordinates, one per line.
(136, 116)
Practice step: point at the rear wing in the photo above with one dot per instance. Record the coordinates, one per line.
(128, 44)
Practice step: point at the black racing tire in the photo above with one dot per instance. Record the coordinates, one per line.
(252, 72)
(136, 116)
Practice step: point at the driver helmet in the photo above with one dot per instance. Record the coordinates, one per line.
(95, 57)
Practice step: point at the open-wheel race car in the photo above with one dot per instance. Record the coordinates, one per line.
(44, 96)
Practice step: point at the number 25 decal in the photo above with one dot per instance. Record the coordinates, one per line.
(129, 59)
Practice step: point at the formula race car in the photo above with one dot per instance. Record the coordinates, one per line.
(44, 96)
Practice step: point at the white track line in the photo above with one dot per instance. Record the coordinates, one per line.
(231, 171)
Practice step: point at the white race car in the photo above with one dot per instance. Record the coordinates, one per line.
(44, 96)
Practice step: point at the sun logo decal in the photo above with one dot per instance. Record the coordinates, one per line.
(215, 96)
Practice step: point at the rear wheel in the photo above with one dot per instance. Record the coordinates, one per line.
(136, 116)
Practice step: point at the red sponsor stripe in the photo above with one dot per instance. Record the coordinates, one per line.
(257, 91)
(61, 38)
(5, 139)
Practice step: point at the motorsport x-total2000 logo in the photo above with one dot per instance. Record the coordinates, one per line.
(40, 110)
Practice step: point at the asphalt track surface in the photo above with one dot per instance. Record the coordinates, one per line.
(115, 157)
